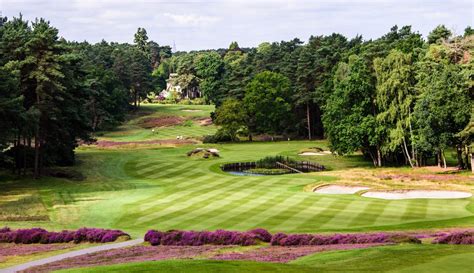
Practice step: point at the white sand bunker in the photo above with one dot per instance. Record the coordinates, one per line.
(413, 194)
(336, 189)
(191, 110)
(315, 153)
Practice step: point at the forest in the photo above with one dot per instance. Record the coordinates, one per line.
(400, 99)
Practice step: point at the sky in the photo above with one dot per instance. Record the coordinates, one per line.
(206, 24)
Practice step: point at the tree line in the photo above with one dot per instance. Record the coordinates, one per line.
(55, 93)
(399, 99)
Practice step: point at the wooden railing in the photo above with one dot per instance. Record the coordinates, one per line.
(294, 167)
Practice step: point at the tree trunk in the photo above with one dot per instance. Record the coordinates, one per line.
(135, 95)
(17, 154)
(438, 159)
(407, 153)
(413, 151)
(466, 151)
(459, 154)
(379, 157)
(24, 156)
(472, 161)
(37, 151)
(318, 124)
(308, 118)
(444, 159)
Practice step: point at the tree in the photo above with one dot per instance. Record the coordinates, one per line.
(267, 102)
(444, 106)
(210, 69)
(141, 39)
(234, 46)
(468, 31)
(140, 75)
(395, 99)
(440, 33)
(231, 117)
(305, 84)
(349, 117)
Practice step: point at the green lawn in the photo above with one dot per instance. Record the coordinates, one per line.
(394, 259)
(162, 188)
(132, 131)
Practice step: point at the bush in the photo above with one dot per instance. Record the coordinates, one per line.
(197, 238)
(270, 162)
(195, 101)
(362, 238)
(261, 234)
(38, 235)
(219, 136)
(456, 238)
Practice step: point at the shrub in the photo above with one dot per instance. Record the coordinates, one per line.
(269, 162)
(5, 229)
(456, 238)
(261, 234)
(38, 235)
(219, 136)
(362, 238)
(196, 238)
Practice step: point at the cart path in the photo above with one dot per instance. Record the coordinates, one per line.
(71, 254)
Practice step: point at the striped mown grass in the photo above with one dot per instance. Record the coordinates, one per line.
(162, 188)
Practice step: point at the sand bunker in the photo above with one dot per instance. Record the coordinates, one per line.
(315, 153)
(191, 110)
(413, 194)
(337, 189)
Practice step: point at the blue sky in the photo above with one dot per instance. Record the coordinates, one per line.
(195, 24)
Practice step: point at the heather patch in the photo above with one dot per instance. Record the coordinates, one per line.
(161, 121)
(197, 238)
(39, 235)
(9, 249)
(456, 238)
(128, 254)
(281, 239)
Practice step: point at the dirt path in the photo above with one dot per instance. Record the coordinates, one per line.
(69, 255)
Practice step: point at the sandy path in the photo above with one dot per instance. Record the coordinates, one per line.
(70, 255)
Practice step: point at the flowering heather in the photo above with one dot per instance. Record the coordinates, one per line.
(456, 238)
(261, 234)
(283, 254)
(197, 238)
(39, 235)
(282, 239)
(137, 253)
(4, 229)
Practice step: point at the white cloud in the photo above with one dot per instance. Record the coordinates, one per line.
(200, 24)
(191, 19)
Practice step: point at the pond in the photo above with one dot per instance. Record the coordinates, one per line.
(240, 173)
